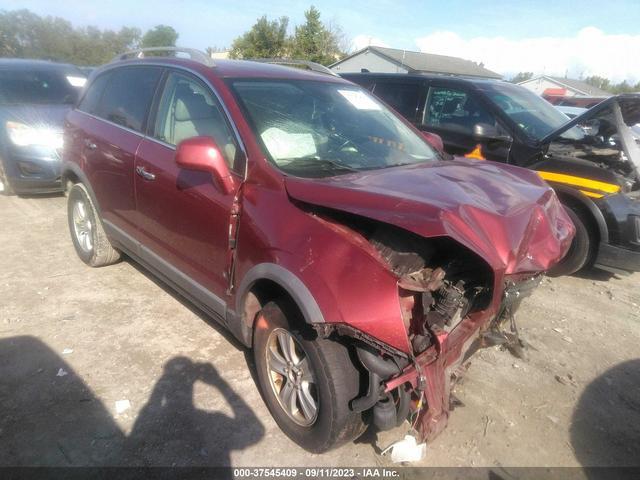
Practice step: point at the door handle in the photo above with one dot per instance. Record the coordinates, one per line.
(144, 174)
(89, 144)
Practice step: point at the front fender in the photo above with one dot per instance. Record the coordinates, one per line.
(331, 272)
(287, 280)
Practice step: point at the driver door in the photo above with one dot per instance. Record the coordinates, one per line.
(453, 113)
(184, 215)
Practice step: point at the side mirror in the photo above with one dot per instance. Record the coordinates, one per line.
(434, 140)
(486, 132)
(202, 154)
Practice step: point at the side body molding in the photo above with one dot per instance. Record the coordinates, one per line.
(287, 280)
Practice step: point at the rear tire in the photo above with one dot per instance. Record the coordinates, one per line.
(581, 250)
(332, 381)
(89, 238)
(5, 186)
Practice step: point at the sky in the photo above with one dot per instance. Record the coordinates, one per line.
(554, 37)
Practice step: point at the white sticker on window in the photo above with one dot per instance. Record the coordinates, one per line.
(76, 81)
(283, 144)
(359, 100)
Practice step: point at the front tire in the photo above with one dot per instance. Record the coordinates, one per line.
(306, 381)
(5, 186)
(581, 249)
(89, 238)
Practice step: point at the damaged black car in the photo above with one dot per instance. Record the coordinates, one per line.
(592, 160)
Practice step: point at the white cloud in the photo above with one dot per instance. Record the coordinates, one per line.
(361, 41)
(590, 52)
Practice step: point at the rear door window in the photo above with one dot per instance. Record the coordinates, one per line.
(127, 96)
(455, 110)
(403, 97)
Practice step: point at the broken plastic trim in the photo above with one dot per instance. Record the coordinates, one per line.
(342, 329)
(514, 293)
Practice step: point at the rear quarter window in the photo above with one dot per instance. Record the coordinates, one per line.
(127, 96)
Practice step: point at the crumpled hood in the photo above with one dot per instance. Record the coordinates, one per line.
(505, 214)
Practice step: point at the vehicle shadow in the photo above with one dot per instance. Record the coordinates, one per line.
(228, 336)
(605, 428)
(40, 196)
(50, 417)
(594, 274)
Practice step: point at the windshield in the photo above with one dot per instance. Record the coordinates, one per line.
(44, 86)
(536, 117)
(314, 129)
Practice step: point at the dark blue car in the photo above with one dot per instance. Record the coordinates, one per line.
(34, 99)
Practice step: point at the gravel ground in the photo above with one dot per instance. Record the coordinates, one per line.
(107, 366)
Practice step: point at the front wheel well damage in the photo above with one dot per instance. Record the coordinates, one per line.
(264, 291)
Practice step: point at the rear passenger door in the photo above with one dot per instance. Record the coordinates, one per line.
(184, 215)
(116, 107)
(403, 97)
(452, 112)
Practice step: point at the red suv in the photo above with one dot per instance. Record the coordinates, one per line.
(318, 226)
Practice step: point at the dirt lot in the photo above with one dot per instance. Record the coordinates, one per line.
(77, 343)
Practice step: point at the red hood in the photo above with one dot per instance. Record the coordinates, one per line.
(507, 215)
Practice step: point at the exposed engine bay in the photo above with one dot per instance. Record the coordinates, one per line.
(440, 284)
(605, 139)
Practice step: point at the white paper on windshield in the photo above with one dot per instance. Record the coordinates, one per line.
(76, 81)
(359, 100)
(283, 144)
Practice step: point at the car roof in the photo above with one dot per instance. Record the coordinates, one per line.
(424, 76)
(234, 69)
(28, 64)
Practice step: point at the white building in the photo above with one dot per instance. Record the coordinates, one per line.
(548, 86)
(392, 60)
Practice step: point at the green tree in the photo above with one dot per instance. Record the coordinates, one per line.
(24, 34)
(265, 39)
(622, 87)
(314, 41)
(598, 82)
(159, 36)
(521, 77)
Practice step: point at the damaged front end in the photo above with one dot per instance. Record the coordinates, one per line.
(451, 251)
(451, 343)
(446, 296)
(452, 303)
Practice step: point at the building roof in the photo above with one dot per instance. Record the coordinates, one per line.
(428, 62)
(578, 86)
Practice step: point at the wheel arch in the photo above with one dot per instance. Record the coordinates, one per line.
(265, 282)
(572, 197)
(72, 172)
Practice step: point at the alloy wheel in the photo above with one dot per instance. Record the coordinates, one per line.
(82, 226)
(291, 377)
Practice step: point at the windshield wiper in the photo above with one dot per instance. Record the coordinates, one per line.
(313, 161)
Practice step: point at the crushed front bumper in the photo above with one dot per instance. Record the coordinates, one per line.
(430, 375)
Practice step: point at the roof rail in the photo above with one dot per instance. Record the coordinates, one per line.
(194, 54)
(313, 66)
